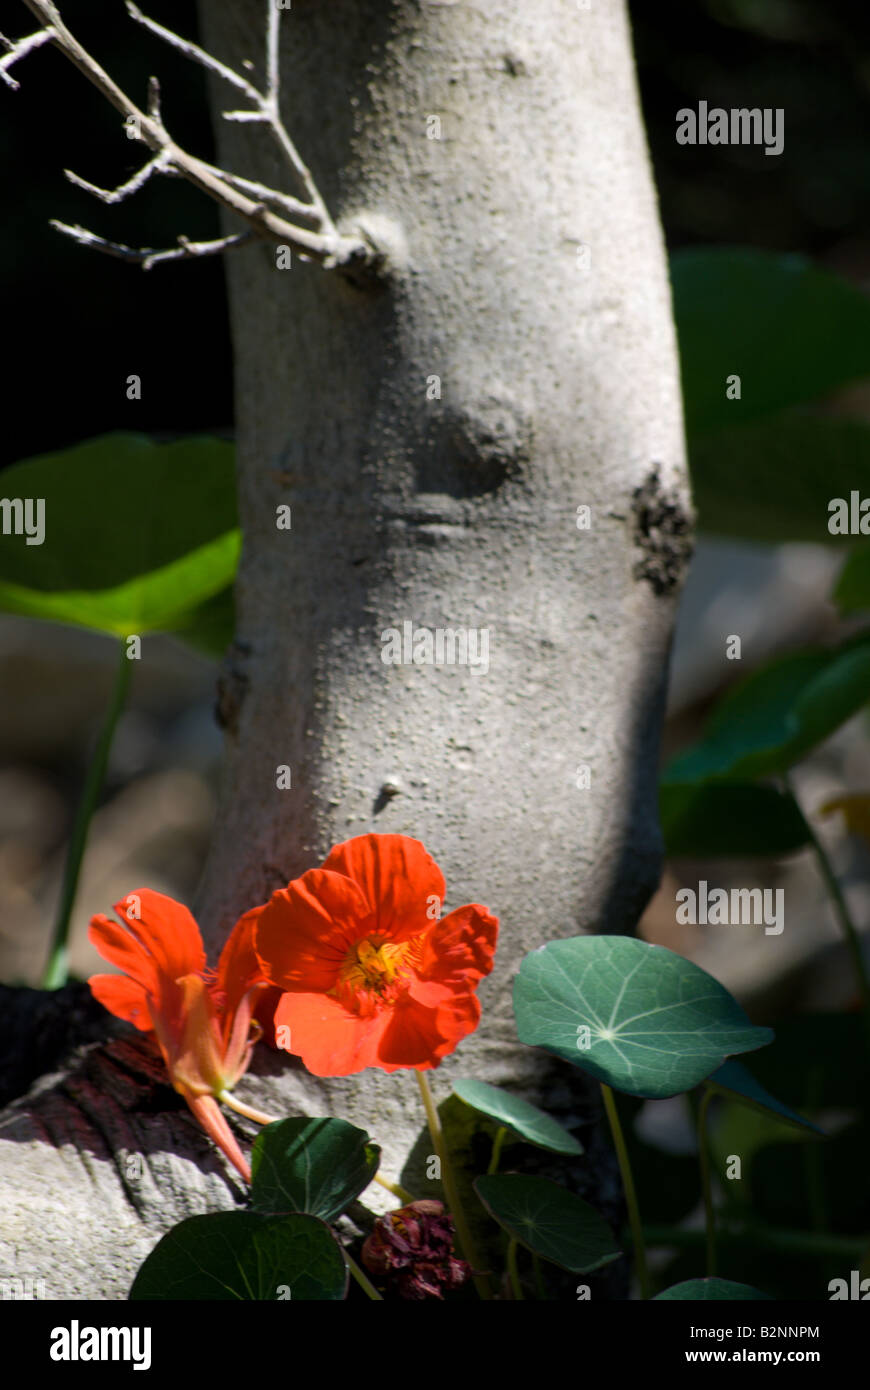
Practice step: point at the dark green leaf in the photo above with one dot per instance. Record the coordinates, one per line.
(775, 716)
(729, 818)
(733, 1079)
(243, 1255)
(524, 1119)
(852, 591)
(137, 534)
(210, 627)
(791, 331)
(635, 1016)
(711, 1291)
(776, 479)
(312, 1165)
(550, 1221)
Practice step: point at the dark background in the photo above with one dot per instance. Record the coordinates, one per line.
(76, 324)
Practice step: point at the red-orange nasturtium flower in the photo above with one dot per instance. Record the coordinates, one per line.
(202, 1020)
(374, 977)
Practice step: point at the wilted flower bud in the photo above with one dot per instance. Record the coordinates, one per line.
(414, 1245)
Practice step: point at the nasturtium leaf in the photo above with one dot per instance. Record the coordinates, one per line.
(549, 1220)
(733, 1079)
(737, 477)
(312, 1165)
(518, 1115)
(712, 1291)
(137, 534)
(852, 590)
(791, 330)
(638, 1017)
(209, 627)
(778, 714)
(246, 1256)
(702, 819)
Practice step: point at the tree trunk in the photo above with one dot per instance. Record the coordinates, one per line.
(434, 432)
(434, 428)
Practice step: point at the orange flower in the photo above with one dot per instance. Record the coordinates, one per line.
(373, 977)
(203, 1026)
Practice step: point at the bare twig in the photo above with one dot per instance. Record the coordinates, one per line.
(147, 256)
(21, 50)
(262, 211)
(117, 195)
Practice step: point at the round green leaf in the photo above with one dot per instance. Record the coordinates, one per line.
(549, 1221)
(852, 590)
(243, 1255)
(635, 1016)
(778, 714)
(312, 1165)
(729, 818)
(711, 1291)
(137, 534)
(733, 1079)
(524, 1119)
(737, 476)
(792, 330)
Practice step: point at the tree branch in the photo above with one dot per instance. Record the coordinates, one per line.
(21, 50)
(322, 242)
(147, 256)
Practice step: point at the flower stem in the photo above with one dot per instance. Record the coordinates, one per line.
(364, 1282)
(397, 1190)
(496, 1150)
(513, 1271)
(451, 1192)
(628, 1188)
(247, 1110)
(850, 931)
(706, 1183)
(55, 975)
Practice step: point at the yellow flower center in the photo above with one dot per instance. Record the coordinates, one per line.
(370, 973)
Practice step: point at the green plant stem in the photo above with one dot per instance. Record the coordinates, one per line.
(362, 1279)
(850, 932)
(706, 1180)
(248, 1111)
(513, 1271)
(500, 1137)
(762, 1238)
(397, 1190)
(457, 1211)
(628, 1188)
(56, 970)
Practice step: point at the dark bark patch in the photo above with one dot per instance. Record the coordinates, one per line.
(478, 449)
(663, 531)
(232, 686)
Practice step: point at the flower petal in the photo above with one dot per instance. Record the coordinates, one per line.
(238, 974)
(213, 1121)
(304, 932)
(330, 1040)
(458, 951)
(124, 998)
(419, 1035)
(159, 937)
(399, 878)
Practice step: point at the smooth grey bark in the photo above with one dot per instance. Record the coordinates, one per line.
(558, 388)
